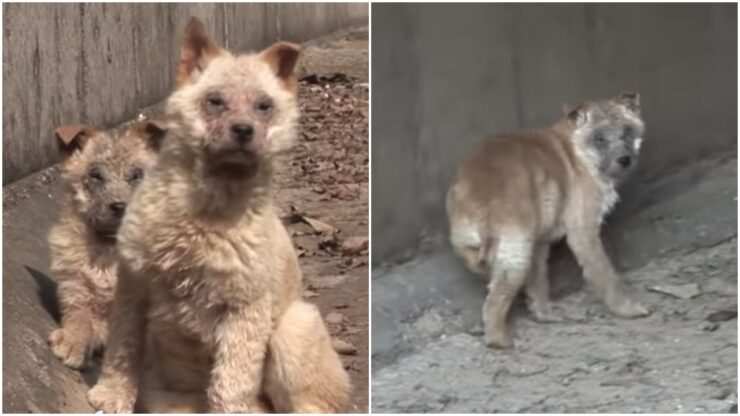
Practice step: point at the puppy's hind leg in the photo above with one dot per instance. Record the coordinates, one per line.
(537, 287)
(303, 374)
(511, 265)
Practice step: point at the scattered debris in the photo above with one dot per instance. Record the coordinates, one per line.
(334, 318)
(710, 327)
(355, 245)
(325, 78)
(319, 226)
(343, 347)
(722, 316)
(686, 291)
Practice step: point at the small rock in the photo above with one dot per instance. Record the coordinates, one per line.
(335, 318)
(329, 242)
(328, 282)
(319, 226)
(687, 291)
(343, 347)
(721, 316)
(722, 394)
(710, 327)
(354, 245)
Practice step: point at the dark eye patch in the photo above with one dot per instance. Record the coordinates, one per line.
(215, 103)
(136, 175)
(628, 132)
(264, 105)
(95, 174)
(95, 179)
(599, 138)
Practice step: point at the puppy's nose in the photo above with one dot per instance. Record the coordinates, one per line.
(242, 132)
(625, 161)
(118, 208)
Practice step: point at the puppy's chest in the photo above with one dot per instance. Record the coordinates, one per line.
(213, 272)
(609, 198)
(102, 278)
(191, 309)
(218, 268)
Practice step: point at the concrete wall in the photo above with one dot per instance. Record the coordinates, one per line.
(99, 63)
(444, 76)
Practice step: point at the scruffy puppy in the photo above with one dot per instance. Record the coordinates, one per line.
(100, 171)
(208, 272)
(521, 191)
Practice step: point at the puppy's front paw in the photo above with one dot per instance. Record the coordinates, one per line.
(69, 347)
(498, 338)
(111, 400)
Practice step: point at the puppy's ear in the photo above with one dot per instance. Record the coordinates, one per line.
(73, 138)
(282, 58)
(151, 131)
(196, 51)
(629, 99)
(577, 114)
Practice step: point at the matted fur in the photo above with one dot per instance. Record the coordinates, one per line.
(521, 191)
(209, 296)
(82, 243)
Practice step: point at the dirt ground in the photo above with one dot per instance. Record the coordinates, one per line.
(322, 191)
(676, 245)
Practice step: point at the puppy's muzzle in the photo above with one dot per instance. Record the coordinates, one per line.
(242, 133)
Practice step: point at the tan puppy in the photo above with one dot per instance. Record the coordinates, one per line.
(521, 191)
(208, 272)
(100, 171)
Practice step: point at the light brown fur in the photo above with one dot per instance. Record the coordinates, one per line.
(521, 191)
(209, 294)
(82, 243)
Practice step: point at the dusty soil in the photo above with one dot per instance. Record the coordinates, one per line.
(322, 191)
(679, 235)
(324, 196)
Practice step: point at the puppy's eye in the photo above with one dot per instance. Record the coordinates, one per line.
(215, 101)
(628, 132)
(264, 106)
(137, 174)
(95, 174)
(599, 138)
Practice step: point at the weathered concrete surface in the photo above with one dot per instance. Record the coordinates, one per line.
(427, 349)
(444, 76)
(99, 63)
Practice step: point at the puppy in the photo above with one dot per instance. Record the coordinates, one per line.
(521, 191)
(209, 294)
(100, 171)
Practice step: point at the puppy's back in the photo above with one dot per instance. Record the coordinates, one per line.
(503, 179)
